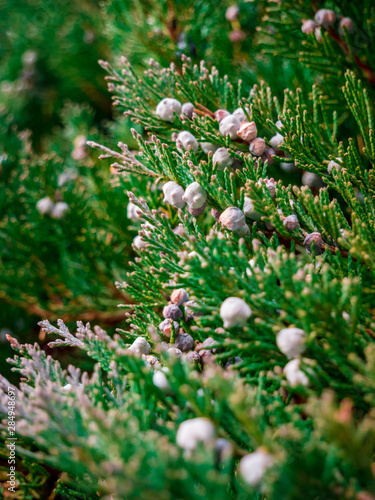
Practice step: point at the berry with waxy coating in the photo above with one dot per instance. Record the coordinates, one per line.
(188, 109)
(222, 159)
(167, 109)
(195, 195)
(290, 341)
(247, 131)
(179, 296)
(234, 312)
(173, 194)
(232, 218)
(172, 311)
(230, 126)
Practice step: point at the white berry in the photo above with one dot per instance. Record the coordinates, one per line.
(254, 465)
(160, 380)
(222, 159)
(293, 374)
(240, 114)
(291, 222)
(173, 194)
(332, 165)
(139, 242)
(325, 17)
(257, 146)
(167, 109)
(232, 218)
(194, 431)
(187, 140)
(243, 231)
(195, 195)
(230, 125)
(45, 205)
(208, 147)
(140, 346)
(133, 212)
(249, 210)
(290, 341)
(234, 312)
(59, 210)
(276, 140)
(248, 131)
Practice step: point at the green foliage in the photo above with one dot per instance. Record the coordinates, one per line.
(49, 52)
(65, 266)
(328, 51)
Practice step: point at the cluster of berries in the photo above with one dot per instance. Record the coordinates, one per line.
(326, 18)
(46, 206)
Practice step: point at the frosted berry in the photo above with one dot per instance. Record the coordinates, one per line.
(257, 146)
(276, 140)
(167, 326)
(191, 309)
(195, 195)
(232, 218)
(140, 346)
(288, 166)
(253, 466)
(332, 165)
(220, 114)
(309, 26)
(243, 231)
(208, 147)
(234, 312)
(249, 210)
(293, 374)
(240, 114)
(270, 183)
(188, 109)
(160, 380)
(315, 238)
(312, 180)
(184, 342)
(291, 222)
(194, 431)
(325, 17)
(290, 341)
(172, 311)
(192, 357)
(168, 108)
(179, 296)
(45, 205)
(346, 23)
(197, 211)
(215, 214)
(59, 210)
(173, 194)
(187, 140)
(174, 352)
(248, 131)
(139, 243)
(133, 212)
(268, 155)
(205, 351)
(208, 343)
(232, 12)
(237, 36)
(151, 361)
(230, 126)
(222, 159)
